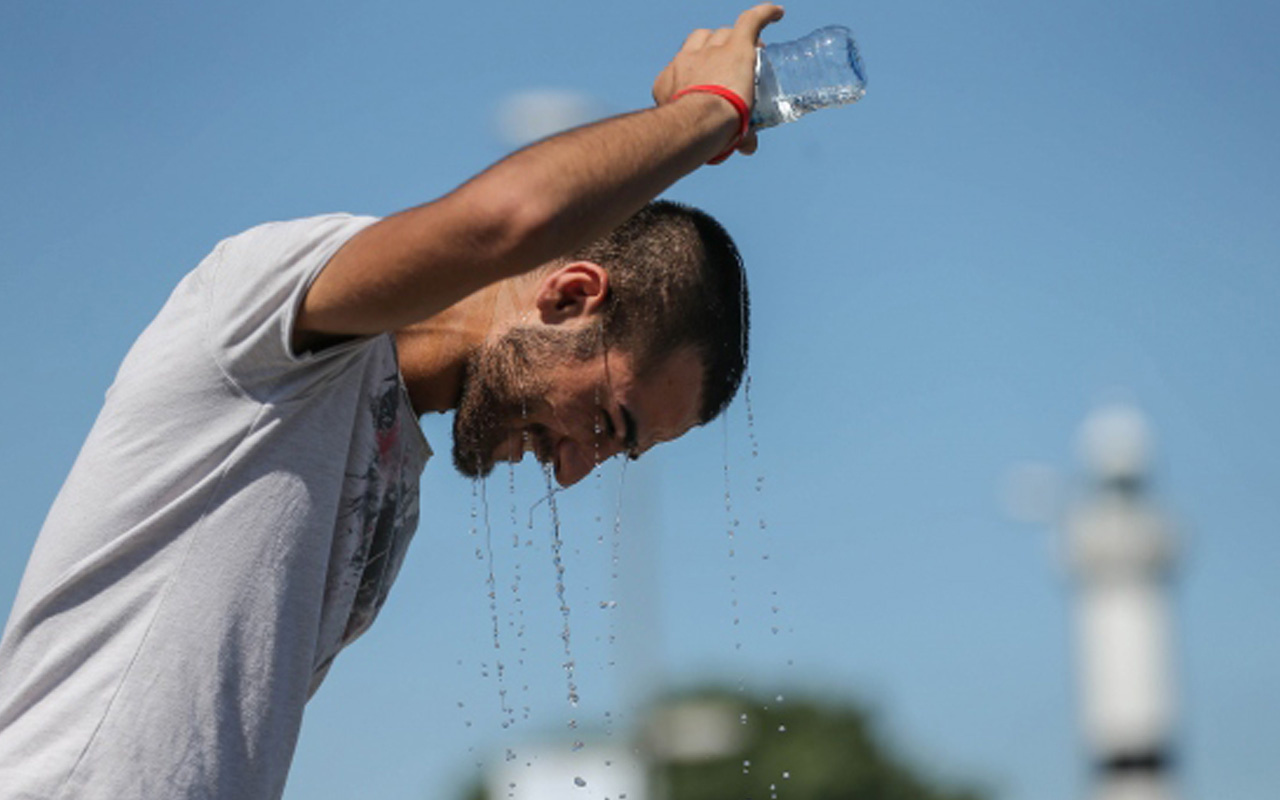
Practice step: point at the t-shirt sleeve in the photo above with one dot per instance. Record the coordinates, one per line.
(255, 285)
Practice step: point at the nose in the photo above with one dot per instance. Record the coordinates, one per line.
(568, 476)
(577, 460)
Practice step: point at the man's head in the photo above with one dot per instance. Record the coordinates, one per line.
(641, 335)
(676, 281)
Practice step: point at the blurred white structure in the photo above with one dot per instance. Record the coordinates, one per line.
(1122, 552)
(686, 731)
(695, 730)
(555, 771)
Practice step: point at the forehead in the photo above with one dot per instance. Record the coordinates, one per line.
(665, 400)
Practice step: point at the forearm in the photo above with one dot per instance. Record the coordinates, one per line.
(540, 203)
(573, 188)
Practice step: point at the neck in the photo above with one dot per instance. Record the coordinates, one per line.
(433, 354)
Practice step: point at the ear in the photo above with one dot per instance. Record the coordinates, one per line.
(574, 291)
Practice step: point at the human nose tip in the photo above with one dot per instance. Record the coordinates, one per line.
(579, 460)
(574, 464)
(568, 475)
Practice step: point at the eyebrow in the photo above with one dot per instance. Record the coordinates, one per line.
(629, 439)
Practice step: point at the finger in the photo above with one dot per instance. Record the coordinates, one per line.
(696, 40)
(661, 88)
(748, 144)
(752, 21)
(720, 37)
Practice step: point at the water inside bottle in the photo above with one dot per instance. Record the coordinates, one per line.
(819, 70)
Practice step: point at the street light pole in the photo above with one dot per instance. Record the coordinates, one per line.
(1121, 551)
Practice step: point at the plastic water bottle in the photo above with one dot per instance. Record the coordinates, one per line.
(819, 70)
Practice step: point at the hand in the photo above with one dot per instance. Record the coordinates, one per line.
(726, 56)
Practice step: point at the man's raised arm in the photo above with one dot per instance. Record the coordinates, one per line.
(542, 201)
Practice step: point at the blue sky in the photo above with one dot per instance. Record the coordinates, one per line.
(1036, 208)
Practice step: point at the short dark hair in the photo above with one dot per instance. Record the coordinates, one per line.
(676, 280)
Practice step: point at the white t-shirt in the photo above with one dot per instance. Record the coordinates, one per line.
(236, 517)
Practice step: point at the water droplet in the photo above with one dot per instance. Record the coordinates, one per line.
(786, 776)
(579, 782)
(557, 559)
(578, 746)
(782, 729)
(743, 719)
(778, 698)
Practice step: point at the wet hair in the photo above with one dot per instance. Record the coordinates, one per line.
(675, 281)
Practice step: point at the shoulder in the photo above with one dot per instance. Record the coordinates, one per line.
(284, 235)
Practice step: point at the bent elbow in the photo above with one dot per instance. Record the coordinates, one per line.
(514, 230)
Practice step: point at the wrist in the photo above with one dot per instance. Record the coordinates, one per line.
(727, 100)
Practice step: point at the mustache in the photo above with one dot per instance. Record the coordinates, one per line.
(473, 456)
(541, 440)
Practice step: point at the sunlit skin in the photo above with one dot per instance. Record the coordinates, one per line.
(449, 276)
(590, 410)
(597, 409)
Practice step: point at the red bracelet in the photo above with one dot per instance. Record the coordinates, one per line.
(739, 105)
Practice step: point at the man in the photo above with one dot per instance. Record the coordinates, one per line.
(244, 501)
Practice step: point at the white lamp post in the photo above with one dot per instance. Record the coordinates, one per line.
(1121, 552)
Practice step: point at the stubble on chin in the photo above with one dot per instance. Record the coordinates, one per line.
(501, 387)
(479, 428)
(497, 389)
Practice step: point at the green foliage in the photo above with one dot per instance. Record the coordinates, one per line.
(799, 750)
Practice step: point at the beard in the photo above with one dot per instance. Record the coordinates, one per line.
(503, 383)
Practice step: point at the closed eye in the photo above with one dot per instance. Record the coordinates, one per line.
(630, 440)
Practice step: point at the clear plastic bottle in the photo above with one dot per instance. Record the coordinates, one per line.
(819, 70)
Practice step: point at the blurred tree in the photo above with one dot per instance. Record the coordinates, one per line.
(761, 750)
(801, 750)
